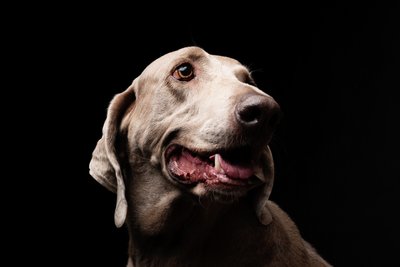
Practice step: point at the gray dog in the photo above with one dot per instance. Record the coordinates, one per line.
(185, 148)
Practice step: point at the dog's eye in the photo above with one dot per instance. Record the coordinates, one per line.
(184, 72)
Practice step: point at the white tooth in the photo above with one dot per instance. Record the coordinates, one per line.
(217, 163)
(258, 172)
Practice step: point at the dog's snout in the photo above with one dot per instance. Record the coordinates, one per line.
(254, 111)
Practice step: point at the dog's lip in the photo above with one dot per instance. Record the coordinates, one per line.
(193, 166)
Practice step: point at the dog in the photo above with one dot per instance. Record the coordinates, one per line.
(185, 149)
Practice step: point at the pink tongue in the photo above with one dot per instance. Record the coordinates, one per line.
(235, 171)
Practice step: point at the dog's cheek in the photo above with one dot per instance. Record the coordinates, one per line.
(144, 137)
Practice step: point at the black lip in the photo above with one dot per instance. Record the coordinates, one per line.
(177, 179)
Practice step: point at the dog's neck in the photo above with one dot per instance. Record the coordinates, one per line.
(172, 226)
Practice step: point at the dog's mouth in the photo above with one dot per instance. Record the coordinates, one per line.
(222, 169)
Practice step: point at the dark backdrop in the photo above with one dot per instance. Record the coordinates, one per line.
(334, 71)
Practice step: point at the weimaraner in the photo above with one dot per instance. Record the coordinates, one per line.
(185, 148)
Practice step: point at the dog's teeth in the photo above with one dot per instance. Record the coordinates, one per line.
(217, 163)
(259, 173)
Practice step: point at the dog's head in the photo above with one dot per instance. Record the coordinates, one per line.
(198, 119)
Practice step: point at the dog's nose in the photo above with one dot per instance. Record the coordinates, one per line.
(256, 111)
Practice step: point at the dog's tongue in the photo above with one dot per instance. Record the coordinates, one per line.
(234, 171)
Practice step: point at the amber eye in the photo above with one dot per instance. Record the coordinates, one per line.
(183, 72)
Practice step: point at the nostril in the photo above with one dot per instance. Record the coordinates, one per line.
(250, 114)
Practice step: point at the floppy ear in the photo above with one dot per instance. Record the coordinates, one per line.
(263, 213)
(105, 166)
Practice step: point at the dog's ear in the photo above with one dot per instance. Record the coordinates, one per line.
(261, 197)
(104, 165)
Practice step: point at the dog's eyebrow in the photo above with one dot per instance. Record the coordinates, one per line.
(195, 56)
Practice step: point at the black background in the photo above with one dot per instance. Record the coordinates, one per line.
(334, 70)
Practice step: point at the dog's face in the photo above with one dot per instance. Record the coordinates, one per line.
(199, 120)
(204, 120)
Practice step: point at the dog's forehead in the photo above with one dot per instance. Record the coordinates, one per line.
(194, 54)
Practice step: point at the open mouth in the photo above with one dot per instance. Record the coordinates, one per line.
(233, 168)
